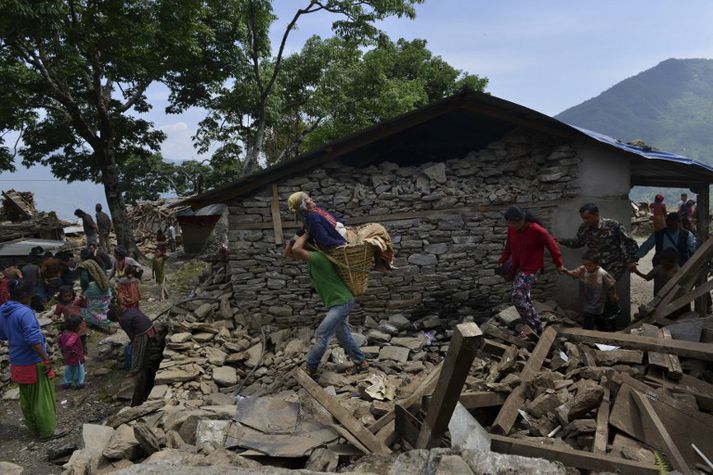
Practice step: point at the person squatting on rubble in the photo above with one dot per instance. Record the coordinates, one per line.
(30, 366)
(339, 302)
(523, 256)
(600, 302)
(327, 233)
(68, 306)
(104, 227)
(128, 273)
(73, 351)
(147, 343)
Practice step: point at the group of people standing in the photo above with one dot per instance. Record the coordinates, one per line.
(686, 210)
(109, 293)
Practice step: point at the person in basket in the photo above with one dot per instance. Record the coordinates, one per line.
(339, 301)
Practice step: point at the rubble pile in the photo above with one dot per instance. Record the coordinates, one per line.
(147, 218)
(20, 219)
(641, 219)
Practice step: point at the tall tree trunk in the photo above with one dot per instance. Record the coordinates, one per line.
(251, 163)
(115, 200)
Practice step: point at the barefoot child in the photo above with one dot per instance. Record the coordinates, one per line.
(72, 351)
(598, 287)
(69, 305)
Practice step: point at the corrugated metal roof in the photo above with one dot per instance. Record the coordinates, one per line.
(651, 154)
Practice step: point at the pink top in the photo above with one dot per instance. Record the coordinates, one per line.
(72, 349)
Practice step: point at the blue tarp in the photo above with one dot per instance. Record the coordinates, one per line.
(646, 153)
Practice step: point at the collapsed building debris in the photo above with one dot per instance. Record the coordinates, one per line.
(20, 219)
(230, 393)
(147, 218)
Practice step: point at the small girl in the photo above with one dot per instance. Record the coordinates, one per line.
(69, 305)
(598, 290)
(72, 351)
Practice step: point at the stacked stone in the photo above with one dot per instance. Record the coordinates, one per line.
(446, 260)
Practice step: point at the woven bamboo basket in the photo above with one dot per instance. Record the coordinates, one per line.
(353, 263)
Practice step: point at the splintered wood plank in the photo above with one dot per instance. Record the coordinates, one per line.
(479, 399)
(673, 364)
(465, 343)
(601, 436)
(508, 413)
(686, 426)
(653, 425)
(688, 349)
(342, 415)
(570, 457)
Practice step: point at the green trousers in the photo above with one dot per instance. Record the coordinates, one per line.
(38, 404)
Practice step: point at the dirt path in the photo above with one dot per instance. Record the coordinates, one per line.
(98, 400)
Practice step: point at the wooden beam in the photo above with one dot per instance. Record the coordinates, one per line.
(335, 409)
(407, 426)
(465, 343)
(508, 413)
(688, 349)
(480, 399)
(570, 457)
(652, 422)
(425, 387)
(601, 436)
(275, 210)
(702, 288)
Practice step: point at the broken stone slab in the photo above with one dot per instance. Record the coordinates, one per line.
(545, 403)
(158, 391)
(215, 356)
(370, 351)
(212, 432)
(394, 353)
(95, 437)
(254, 353)
(509, 316)
(497, 464)
(270, 414)
(412, 343)
(181, 337)
(123, 445)
(377, 336)
(322, 460)
(187, 372)
(112, 466)
(452, 465)
(78, 464)
(400, 322)
(295, 346)
(225, 376)
(613, 357)
(129, 414)
(330, 378)
(7, 468)
(12, 394)
(466, 432)
(203, 337)
(146, 438)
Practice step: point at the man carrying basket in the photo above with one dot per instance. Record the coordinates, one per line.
(339, 301)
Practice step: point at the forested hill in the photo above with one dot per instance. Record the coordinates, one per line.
(669, 106)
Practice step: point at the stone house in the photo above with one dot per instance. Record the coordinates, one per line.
(438, 178)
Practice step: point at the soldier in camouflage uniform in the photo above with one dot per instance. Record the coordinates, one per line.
(606, 237)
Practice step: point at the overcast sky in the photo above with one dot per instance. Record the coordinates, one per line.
(547, 55)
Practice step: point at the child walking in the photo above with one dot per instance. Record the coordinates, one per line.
(598, 292)
(72, 351)
(69, 305)
(158, 270)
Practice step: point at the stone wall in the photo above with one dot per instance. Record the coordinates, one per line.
(444, 218)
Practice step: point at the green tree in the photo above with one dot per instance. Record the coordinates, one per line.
(333, 87)
(245, 108)
(74, 74)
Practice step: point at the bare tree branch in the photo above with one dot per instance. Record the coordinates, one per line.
(138, 92)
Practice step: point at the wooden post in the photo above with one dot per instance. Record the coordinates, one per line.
(508, 413)
(601, 436)
(702, 223)
(275, 209)
(466, 341)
